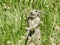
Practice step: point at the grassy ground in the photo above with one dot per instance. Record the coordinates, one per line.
(12, 20)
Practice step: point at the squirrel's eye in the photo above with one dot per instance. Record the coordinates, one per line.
(36, 11)
(31, 13)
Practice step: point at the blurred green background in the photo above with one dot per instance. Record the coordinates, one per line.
(12, 20)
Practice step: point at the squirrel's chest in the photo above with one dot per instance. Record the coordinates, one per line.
(33, 21)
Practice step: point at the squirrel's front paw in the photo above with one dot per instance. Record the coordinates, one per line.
(27, 28)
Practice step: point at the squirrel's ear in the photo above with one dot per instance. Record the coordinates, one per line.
(38, 13)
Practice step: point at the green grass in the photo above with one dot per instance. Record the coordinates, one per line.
(13, 14)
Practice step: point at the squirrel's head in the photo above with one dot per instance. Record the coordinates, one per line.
(35, 13)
